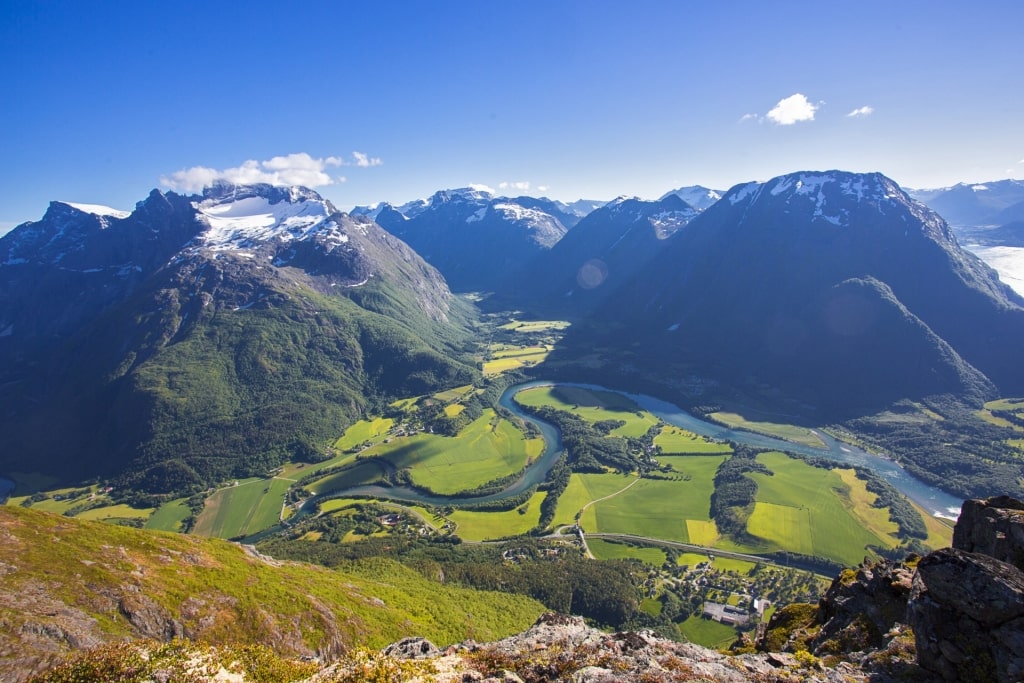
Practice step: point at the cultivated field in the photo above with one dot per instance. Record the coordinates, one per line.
(783, 431)
(484, 526)
(359, 474)
(677, 440)
(250, 506)
(486, 449)
(169, 516)
(592, 406)
(812, 511)
(609, 550)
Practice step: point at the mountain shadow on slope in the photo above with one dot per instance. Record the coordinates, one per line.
(834, 289)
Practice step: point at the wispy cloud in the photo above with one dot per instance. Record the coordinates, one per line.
(365, 161)
(792, 109)
(866, 110)
(749, 117)
(522, 185)
(292, 169)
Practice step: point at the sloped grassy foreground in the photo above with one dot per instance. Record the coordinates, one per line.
(67, 584)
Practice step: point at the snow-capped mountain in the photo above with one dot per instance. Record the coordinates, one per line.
(835, 288)
(604, 250)
(986, 218)
(696, 196)
(972, 205)
(474, 238)
(242, 301)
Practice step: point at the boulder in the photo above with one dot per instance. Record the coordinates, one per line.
(993, 527)
(967, 613)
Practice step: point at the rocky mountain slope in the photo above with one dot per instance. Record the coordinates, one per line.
(205, 337)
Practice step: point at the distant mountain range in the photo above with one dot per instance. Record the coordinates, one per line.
(833, 287)
(604, 250)
(991, 203)
(206, 337)
(474, 238)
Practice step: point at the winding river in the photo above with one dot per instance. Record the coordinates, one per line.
(933, 500)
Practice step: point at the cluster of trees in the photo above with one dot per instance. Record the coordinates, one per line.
(590, 450)
(960, 453)
(606, 592)
(900, 510)
(733, 498)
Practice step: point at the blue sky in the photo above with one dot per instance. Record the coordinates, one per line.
(102, 101)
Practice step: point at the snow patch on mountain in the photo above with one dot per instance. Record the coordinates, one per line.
(667, 223)
(514, 212)
(821, 188)
(697, 196)
(99, 210)
(237, 224)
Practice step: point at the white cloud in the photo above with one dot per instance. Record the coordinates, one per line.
(522, 185)
(749, 117)
(866, 110)
(792, 109)
(292, 169)
(542, 188)
(364, 161)
(480, 187)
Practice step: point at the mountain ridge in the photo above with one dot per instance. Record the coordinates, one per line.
(251, 320)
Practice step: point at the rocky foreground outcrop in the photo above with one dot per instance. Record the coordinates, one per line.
(966, 606)
(956, 614)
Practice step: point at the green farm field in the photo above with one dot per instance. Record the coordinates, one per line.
(810, 510)
(783, 431)
(592, 406)
(514, 358)
(169, 516)
(676, 440)
(609, 550)
(364, 472)
(535, 325)
(485, 526)
(653, 508)
(249, 507)
(707, 632)
(120, 511)
(488, 448)
(724, 564)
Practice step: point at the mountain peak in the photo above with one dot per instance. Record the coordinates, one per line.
(829, 195)
(473, 193)
(697, 196)
(239, 216)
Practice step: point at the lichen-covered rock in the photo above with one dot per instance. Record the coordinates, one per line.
(862, 606)
(412, 648)
(967, 614)
(993, 527)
